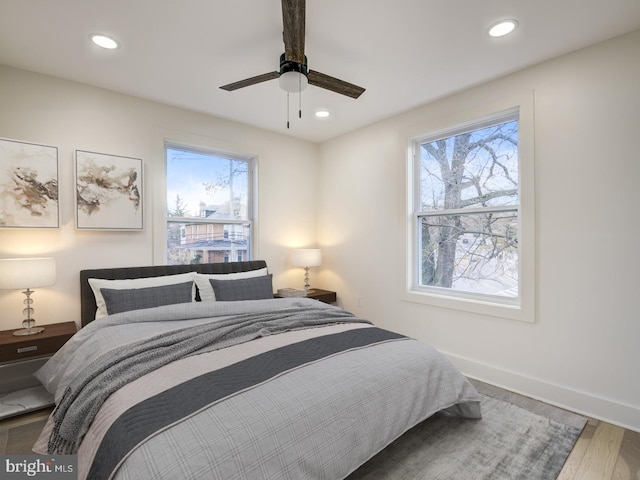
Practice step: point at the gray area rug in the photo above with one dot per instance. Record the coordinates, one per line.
(516, 439)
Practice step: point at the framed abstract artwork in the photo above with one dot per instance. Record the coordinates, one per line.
(28, 185)
(108, 192)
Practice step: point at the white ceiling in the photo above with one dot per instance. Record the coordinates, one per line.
(404, 52)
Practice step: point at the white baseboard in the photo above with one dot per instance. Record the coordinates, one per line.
(584, 403)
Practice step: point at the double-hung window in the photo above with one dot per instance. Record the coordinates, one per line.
(466, 214)
(209, 206)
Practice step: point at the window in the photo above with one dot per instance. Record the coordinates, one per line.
(209, 206)
(466, 220)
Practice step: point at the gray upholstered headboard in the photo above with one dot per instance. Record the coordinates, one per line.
(88, 301)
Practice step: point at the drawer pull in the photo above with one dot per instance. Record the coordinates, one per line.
(32, 348)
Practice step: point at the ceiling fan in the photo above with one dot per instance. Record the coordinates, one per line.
(294, 74)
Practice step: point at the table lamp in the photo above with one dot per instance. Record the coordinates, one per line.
(27, 273)
(306, 257)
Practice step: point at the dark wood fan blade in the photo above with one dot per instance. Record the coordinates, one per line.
(334, 84)
(251, 81)
(293, 21)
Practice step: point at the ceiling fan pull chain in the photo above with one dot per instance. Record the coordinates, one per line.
(300, 94)
(287, 110)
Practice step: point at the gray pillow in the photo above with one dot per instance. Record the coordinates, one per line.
(124, 300)
(256, 288)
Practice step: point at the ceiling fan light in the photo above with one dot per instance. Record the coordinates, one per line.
(293, 82)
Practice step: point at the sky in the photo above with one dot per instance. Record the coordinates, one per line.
(186, 173)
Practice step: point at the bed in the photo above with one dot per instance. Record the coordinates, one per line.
(197, 372)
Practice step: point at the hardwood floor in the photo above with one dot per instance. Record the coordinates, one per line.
(602, 452)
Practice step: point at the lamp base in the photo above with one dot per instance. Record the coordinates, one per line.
(25, 331)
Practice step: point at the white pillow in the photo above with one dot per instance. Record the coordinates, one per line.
(206, 290)
(98, 283)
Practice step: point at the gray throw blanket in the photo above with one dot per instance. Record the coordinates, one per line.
(87, 392)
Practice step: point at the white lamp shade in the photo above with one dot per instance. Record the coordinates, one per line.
(306, 257)
(27, 272)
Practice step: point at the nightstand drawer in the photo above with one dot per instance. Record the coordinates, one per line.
(14, 348)
(30, 348)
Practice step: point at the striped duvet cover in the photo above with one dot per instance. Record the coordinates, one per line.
(301, 402)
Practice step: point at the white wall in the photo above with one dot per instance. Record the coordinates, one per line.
(46, 110)
(583, 351)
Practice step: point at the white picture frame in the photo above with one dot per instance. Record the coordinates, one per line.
(108, 192)
(28, 185)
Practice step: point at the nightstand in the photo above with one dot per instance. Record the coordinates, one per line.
(20, 357)
(326, 296)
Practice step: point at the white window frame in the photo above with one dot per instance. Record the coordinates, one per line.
(521, 308)
(252, 173)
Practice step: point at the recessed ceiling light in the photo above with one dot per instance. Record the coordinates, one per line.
(502, 28)
(104, 41)
(322, 113)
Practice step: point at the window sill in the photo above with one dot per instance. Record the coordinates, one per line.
(480, 307)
